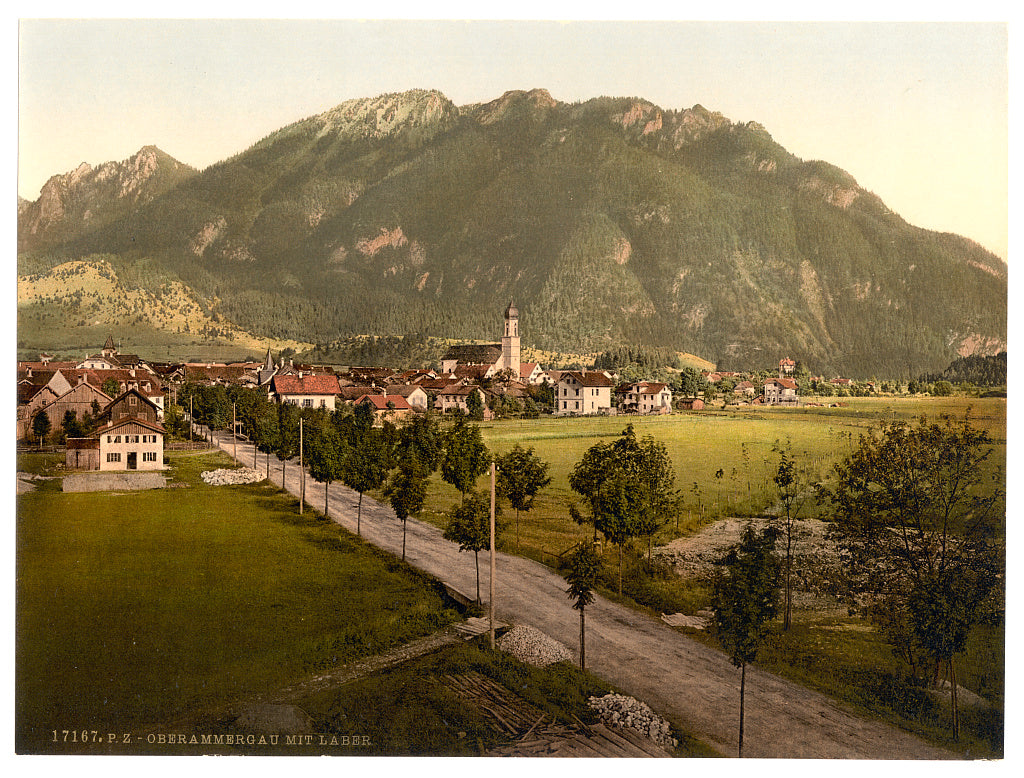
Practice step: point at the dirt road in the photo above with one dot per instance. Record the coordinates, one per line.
(679, 678)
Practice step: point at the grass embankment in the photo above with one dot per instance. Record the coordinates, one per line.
(137, 608)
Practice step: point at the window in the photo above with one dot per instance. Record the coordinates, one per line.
(307, 403)
(117, 438)
(133, 400)
(113, 457)
(149, 456)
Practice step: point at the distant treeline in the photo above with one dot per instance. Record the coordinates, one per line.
(977, 370)
(646, 357)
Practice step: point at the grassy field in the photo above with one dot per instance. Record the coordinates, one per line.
(135, 608)
(842, 657)
(737, 442)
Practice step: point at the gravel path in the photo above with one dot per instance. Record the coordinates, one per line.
(680, 679)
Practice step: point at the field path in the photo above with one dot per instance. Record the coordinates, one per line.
(681, 679)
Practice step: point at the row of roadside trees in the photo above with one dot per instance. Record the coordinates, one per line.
(915, 512)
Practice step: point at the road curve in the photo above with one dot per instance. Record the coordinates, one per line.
(679, 678)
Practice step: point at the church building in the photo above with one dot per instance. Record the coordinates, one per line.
(496, 356)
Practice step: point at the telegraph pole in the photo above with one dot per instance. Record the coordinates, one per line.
(234, 434)
(302, 471)
(491, 597)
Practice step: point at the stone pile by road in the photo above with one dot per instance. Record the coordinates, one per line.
(618, 710)
(222, 477)
(533, 647)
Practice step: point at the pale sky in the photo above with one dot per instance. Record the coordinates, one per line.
(916, 112)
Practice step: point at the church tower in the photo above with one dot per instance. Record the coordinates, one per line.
(510, 340)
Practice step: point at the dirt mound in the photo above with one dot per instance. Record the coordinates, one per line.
(814, 555)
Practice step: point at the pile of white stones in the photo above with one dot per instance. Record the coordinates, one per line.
(533, 647)
(222, 477)
(618, 710)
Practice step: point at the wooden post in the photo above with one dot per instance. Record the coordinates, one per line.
(302, 471)
(490, 604)
(234, 434)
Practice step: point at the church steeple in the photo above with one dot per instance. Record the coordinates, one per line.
(510, 351)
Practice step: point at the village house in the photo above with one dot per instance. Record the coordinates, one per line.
(130, 404)
(387, 407)
(413, 394)
(644, 397)
(744, 389)
(582, 393)
(306, 391)
(532, 373)
(129, 443)
(129, 437)
(780, 391)
(455, 397)
(690, 404)
(82, 400)
(786, 367)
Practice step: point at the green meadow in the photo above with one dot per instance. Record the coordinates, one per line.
(738, 443)
(134, 609)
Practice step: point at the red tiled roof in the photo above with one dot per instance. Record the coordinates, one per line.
(787, 383)
(380, 402)
(308, 384)
(589, 379)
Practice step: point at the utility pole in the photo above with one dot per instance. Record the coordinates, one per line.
(234, 434)
(190, 422)
(491, 597)
(302, 471)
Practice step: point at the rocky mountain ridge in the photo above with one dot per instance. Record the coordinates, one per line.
(612, 220)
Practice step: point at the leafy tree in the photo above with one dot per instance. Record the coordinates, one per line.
(521, 474)
(70, 426)
(367, 464)
(465, 458)
(628, 485)
(287, 447)
(470, 527)
(475, 406)
(584, 567)
(794, 491)
(111, 387)
(745, 599)
(41, 426)
(266, 432)
(919, 517)
(325, 454)
(407, 490)
(421, 438)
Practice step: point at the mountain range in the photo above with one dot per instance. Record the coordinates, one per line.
(608, 221)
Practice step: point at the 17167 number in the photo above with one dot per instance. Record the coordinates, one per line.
(89, 736)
